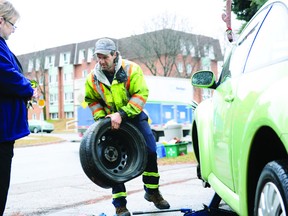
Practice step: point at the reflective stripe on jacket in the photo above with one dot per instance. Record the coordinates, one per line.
(127, 92)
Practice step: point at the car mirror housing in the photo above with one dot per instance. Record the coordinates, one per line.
(203, 79)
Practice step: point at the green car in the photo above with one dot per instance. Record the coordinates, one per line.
(240, 133)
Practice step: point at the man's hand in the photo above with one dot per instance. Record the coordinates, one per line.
(115, 120)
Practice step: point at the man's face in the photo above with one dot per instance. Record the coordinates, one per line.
(106, 62)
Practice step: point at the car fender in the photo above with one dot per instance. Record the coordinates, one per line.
(202, 119)
(266, 111)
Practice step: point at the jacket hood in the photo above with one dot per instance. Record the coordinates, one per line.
(100, 74)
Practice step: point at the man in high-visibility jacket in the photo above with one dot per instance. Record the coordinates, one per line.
(116, 89)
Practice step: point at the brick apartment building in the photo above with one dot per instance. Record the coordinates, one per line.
(61, 71)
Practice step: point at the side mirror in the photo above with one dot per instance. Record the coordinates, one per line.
(203, 79)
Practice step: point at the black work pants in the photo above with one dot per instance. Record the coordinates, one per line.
(6, 155)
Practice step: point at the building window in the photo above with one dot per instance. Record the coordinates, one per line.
(64, 58)
(180, 67)
(38, 64)
(84, 73)
(30, 65)
(68, 76)
(209, 52)
(90, 54)
(53, 98)
(206, 63)
(49, 61)
(193, 52)
(41, 80)
(69, 97)
(82, 54)
(188, 69)
(188, 49)
(53, 115)
(53, 79)
(69, 115)
(34, 116)
(184, 48)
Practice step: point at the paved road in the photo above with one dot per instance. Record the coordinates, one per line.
(49, 180)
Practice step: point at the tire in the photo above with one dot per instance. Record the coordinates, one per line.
(272, 190)
(35, 130)
(109, 157)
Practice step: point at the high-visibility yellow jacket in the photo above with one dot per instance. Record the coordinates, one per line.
(128, 91)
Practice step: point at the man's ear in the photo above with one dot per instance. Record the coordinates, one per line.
(115, 57)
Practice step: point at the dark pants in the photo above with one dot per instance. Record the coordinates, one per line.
(141, 122)
(6, 155)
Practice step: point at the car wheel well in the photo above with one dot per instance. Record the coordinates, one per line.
(266, 147)
(194, 136)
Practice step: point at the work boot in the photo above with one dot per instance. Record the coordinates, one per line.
(122, 211)
(157, 199)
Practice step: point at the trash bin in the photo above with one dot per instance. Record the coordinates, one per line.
(160, 150)
(173, 130)
(174, 150)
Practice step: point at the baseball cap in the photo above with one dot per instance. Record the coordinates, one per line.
(104, 46)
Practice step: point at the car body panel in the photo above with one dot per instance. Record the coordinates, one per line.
(250, 97)
(40, 126)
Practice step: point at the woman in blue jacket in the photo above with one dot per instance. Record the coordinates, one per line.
(15, 91)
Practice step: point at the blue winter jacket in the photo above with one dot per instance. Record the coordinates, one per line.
(15, 90)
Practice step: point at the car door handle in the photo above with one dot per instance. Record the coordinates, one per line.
(229, 98)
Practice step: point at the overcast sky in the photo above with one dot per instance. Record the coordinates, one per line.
(50, 23)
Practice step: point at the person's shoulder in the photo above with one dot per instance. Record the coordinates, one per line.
(129, 62)
(89, 77)
(3, 44)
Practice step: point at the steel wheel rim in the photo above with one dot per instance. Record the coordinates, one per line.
(112, 154)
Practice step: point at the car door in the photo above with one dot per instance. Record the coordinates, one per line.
(224, 98)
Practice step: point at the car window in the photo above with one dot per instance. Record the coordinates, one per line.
(244, 43)
(225, 73)
(271, 44)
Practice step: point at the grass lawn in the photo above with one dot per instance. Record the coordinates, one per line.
(33, 140)
(187, 158)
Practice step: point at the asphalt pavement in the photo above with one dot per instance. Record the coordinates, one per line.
(35, 190)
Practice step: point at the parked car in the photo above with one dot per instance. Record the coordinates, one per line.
(240, 134)
(36, 126)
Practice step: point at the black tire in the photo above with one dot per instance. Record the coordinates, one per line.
(109, 157)
(35, 130)
(272, 190)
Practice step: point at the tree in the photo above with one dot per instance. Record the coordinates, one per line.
(162, 49)
(245, 9)
(157, 49)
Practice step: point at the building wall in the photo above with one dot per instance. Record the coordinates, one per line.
(81, 63)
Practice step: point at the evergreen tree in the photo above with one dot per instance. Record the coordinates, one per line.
(245, 9)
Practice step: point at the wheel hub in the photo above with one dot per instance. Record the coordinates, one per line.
(111, 153)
